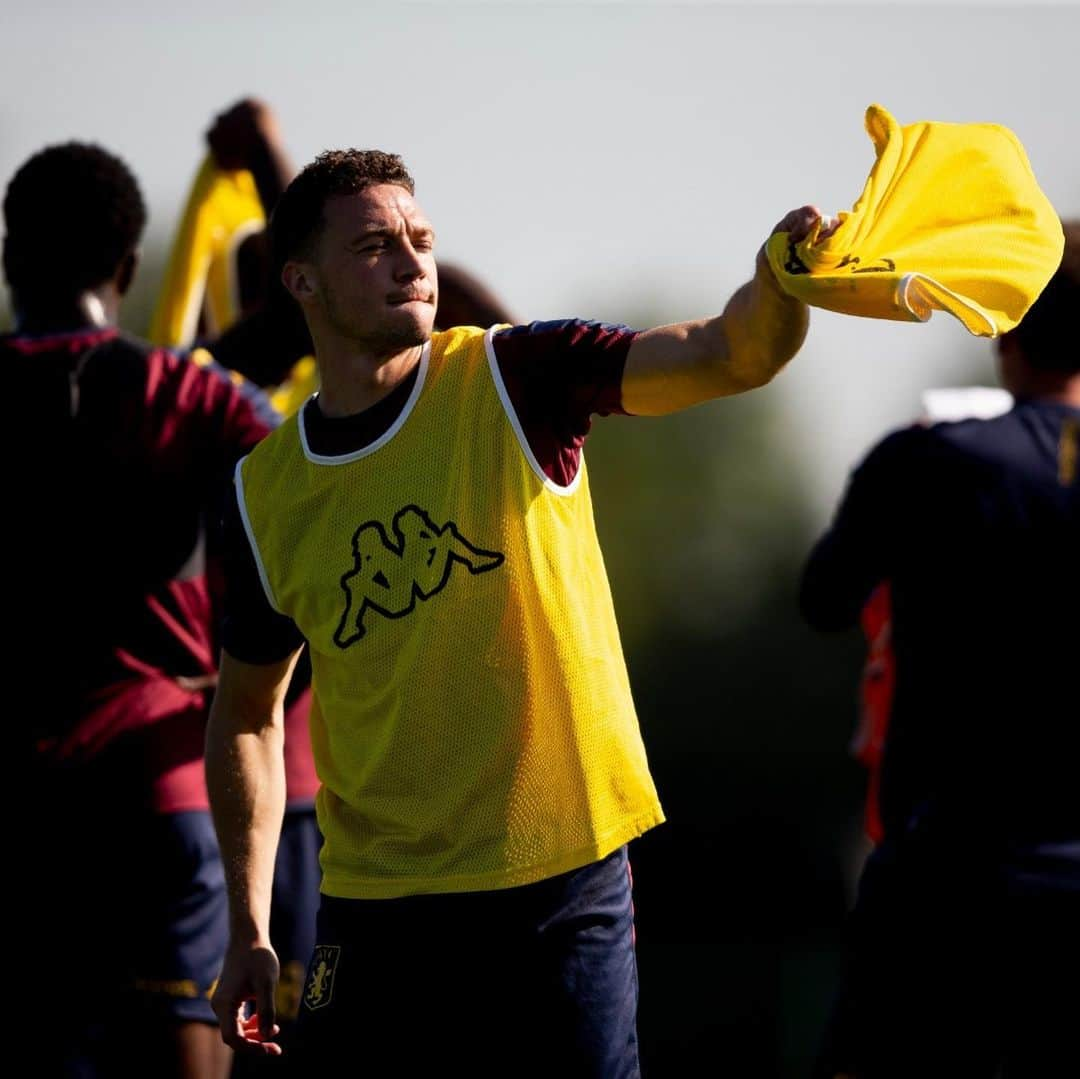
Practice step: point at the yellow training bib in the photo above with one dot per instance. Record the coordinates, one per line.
(223, 208)
(472, 723)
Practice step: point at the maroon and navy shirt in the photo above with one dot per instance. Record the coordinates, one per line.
(557, 375)
(119, 457)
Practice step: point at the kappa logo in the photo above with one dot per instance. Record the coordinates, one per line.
(320, 984)
(793, 264)
(390, 574)
(852, 263)
(881, 265)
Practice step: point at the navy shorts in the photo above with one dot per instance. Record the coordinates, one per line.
(178, 937)
(152, 915)
(539, 980)
(124, 932)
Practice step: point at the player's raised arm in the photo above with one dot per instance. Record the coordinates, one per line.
(760, 329)
(247, 135)
(245, 777)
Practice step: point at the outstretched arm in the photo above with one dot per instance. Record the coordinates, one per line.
(247, 136)
(245, 776)
(760, 329)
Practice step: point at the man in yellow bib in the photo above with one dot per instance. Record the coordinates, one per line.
(424, 524)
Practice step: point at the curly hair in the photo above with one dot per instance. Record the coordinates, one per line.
(73, 212)
(1047, 333)
(297, 218)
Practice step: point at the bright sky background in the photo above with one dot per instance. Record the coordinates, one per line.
(607, 160)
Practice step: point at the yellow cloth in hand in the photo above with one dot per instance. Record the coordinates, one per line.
(951, 218)
(222, 210)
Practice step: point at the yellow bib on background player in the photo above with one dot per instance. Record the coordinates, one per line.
(301, 382)
(222, 210)
(472, 721)
(951, 219)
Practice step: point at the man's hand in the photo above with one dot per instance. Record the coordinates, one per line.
(247, 136)
(242, 132)
(798, 223)
(250, 975)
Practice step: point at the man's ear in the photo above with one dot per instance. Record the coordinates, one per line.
(299, 280)
(125, 273)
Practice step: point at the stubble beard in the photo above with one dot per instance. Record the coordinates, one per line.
(388, 339)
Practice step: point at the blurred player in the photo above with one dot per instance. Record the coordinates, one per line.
(963, 944)
(119, 453)
(877, 686)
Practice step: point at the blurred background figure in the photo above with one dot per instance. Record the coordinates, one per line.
(126, 450)
(217, 292)
(962, 947)
(219, 287)
(877, 686)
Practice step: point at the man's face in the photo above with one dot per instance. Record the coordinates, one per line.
(374, 268)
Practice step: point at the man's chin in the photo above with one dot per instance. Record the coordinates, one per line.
(418, 335)
(406, 333)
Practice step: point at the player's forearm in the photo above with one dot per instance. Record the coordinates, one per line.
(764, 327)
(673, 367)
(245, 777)
(272, 170)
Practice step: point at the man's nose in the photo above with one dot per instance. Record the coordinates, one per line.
(409, 265)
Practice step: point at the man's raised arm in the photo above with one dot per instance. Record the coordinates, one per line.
(245, 776)
(761, 328)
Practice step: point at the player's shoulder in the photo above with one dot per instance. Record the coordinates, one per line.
(571, 330)
(114, 360)
(928, 437)
(938, 453)
(88, 342)
(457, 339)
(287, 437)
(199, 365)
(580, 341)
(196, 376)
(978, 436)
(899, 444)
